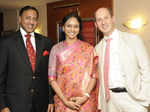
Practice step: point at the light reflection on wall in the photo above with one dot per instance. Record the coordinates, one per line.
(38, 30)
(136, 23)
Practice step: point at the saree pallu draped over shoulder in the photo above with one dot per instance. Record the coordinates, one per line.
(73, 66)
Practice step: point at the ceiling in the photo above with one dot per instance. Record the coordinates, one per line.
(13, 4)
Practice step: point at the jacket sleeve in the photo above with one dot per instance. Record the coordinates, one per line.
(3, 73)
(51, 91)
(51, 95)
(144, 67)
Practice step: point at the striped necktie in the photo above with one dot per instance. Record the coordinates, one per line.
(30, 51)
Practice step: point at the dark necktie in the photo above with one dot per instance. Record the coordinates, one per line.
(30, 51)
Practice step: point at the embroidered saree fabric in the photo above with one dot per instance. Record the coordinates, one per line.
(73, 66)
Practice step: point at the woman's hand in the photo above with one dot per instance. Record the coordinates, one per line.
(51, 108)
(72, 105)
(79, 100)
(6, 109)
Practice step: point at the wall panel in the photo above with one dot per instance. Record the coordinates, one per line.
(86, 8)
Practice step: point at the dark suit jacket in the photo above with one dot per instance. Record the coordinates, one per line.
(20, 88)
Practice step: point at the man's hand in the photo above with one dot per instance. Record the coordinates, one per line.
(6, 109)
(50, 108)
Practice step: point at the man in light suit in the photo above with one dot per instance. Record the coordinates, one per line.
(128, 68)
(24, 85)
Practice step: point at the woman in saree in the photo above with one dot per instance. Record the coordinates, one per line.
(72, 70)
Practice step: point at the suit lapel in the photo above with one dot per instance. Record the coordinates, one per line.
(102, 104)
(101, 55)
(122, 52)
(22, 49)
(38, 49)
(125, 54)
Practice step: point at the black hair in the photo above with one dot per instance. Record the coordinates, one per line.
(28, 8)
(64, 20)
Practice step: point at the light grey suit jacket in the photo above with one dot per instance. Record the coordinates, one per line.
(135, 63)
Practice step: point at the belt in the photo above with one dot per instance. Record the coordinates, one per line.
(118, 90)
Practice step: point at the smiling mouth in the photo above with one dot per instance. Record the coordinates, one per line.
(104, 26)
(72, 33)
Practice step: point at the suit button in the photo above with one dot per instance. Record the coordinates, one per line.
(33, 77)
(32, 90)
(37, 74)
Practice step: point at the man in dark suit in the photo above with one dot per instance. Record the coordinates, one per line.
(24, 67)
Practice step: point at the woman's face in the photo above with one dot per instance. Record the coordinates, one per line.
(71, 28)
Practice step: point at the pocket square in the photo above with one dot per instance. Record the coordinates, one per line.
(45, 53)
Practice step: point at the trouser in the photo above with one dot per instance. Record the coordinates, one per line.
(123, 102)
(37, 107)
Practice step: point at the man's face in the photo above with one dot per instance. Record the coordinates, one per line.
(104, 21)
(29, 20)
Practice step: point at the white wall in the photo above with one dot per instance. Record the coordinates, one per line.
(43, 18)
(126, 9)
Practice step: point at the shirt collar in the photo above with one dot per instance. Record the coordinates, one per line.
(23, 32)
(114, 35)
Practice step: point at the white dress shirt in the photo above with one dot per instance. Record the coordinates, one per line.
(116, 76)
(32, 39)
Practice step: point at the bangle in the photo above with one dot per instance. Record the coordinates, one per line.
(86, 94)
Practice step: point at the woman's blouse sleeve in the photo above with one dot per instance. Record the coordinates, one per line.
(94, 65)
(52, 65)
